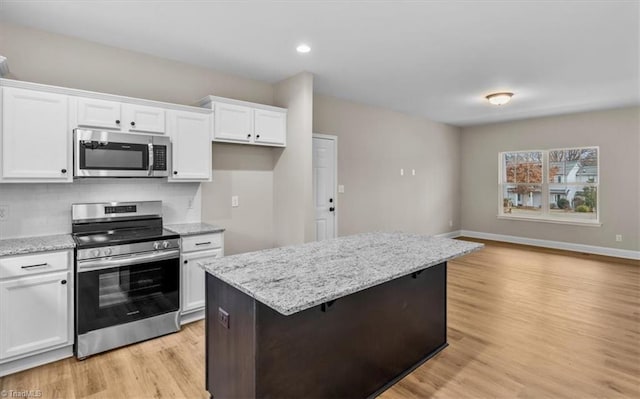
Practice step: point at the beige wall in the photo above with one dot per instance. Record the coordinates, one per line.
(617, 132)
(293, 189)
(373, 145)
(42, 57)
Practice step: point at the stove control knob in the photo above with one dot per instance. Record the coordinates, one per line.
(156, 245)
(165, 244)
(107, 252)
(95, 253)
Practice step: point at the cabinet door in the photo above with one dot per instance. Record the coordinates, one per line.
(270, 127)
(233, 123)
(191, 142)
(140, 118)
(193, 277)
(34, 313)
(36, 139)
(99, 113)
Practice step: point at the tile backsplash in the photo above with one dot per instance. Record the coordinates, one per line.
(42, 209)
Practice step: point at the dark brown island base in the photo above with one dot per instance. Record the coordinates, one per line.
(352, 345)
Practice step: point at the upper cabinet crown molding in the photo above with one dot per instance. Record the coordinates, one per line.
(100, 96)
(243, 122)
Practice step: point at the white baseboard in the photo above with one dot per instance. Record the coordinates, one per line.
(35, 360)
(192, 316)
(451, 234)
(568, 246)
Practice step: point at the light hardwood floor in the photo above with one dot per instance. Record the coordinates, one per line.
(523, 323)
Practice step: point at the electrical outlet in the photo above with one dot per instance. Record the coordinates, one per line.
(341, 189)
(401, 172)
(4, 212)
(413, 172)
(619, 237)
(223, 318)
(234, 201)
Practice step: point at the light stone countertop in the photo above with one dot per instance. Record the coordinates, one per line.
(27, 245)
(191, 229)
(295, 278)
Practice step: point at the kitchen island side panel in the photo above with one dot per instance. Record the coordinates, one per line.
(230, 352)
(357, 346)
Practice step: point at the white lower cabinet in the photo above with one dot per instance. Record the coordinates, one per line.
(36, 309)
(193, 277)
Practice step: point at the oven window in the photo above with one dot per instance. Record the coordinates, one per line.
(122, 159)
(128, 285)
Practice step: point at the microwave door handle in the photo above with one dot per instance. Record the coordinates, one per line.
(150, 159)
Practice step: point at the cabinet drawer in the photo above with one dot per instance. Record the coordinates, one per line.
(201, 242)
(26, 265)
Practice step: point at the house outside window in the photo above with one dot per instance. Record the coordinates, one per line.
(555, 185)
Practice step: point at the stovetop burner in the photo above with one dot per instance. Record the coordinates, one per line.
(115, 237)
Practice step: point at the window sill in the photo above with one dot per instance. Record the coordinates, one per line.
(588, 223)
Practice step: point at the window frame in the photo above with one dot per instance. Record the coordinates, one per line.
(545, 214)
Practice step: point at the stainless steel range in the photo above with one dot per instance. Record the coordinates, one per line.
(127, 275)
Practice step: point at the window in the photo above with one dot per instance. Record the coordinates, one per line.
(555, 185)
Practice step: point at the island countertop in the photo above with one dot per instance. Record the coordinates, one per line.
(295, 278)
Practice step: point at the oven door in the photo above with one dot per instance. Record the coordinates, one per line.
(118, 290)
(109, 154)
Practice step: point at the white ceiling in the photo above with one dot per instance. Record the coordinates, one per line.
(431, 58)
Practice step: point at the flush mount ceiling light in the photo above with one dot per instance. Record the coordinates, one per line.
(499, 98)
(303, 48)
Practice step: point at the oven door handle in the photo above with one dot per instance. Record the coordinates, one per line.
(128, 260)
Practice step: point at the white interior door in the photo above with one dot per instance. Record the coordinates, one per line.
(324, 185)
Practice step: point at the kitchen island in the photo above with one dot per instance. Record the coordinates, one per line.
(342, 318)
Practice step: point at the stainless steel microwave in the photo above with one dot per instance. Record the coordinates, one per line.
(112, 154)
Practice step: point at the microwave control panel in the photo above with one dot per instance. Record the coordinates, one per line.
(159, 157)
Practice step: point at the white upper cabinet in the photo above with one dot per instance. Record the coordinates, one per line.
(35, 136)
(247, 123)
(125, 117)
(144, 119)
(94, 113)
(233, 123)
(191, 141)
(270, 127)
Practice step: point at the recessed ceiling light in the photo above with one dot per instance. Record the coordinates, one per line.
(499, 98)
(303, 48)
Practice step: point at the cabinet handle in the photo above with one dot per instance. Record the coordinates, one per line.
(248, 136)
(34, 266)
(203, 243)
(175, 172)
(63, 282)
(257, 136)
(133, 123)
(186, 261)
(117, 121)
(63, 170)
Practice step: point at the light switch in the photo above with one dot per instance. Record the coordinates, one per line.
(341, 189)
(234, 201)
